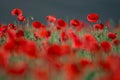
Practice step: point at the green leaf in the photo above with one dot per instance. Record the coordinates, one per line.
(1, 78)
(91, 76)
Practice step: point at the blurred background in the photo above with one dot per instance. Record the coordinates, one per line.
(66, 9)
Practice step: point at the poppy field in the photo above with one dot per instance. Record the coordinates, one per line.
(59, 50)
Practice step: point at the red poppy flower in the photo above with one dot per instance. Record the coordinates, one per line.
(45, 33)
(12, 26)
(61, 23)
(40, 74)
(20, 33)
(98, 26)
(54, 51)
(112, 35)
(36, 24)
(21, 18)
(9, 45)
(3, 29)
(11, 33)
(64, 36)
(50, 18)
(28, 48)
(66, 49)
(72, 69)
(18, 69)
(94, 47)
(105, 65)
(90, 43)
(3, 59)
(106, 46)
(36, 35)
(85, 63)
(89, 38)
(77, 43)
(75, 23)
(93, 17)
(16, 12)
(116, 42)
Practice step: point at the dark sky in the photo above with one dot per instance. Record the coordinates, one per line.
(66, 9)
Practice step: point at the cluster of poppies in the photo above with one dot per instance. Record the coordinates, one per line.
(59, 50)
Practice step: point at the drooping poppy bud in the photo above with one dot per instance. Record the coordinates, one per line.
(16, 12)
(50, 18)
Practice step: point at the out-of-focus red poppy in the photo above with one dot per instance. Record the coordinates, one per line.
(93, 17)
(9, 45)
(54, 51)
(12, 26)
(64, 36)
(116, 42)
(19, 69)
(3, 59)
(66, 49)
(75, 23)
(16, 12)
(72, 69)
(98, 26)
(11, 33)
(21, 18)
(104, 65)
(36, 35)
(106, 46)
(51, 18)
(45, 33)
(3, 29)
(60, 23)
(90, 43)
(112, 35)
(29, 48)
(36, 24)
(77, 43)
(85, 63)
(20, 33)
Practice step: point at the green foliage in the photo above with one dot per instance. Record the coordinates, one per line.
(29, 35)
(90, 76)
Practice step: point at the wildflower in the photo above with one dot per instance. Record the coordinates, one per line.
(64, 36)
(93, 17)
(75, 23)
(3, 29)
(106, 46)
(85, 63)
(116, 42)
(98, 26)
(60, 23)
(112, 35)
(20, 33)
(12, 26)
(3, 59)
(50, 18)
(9, 45)
(72, 69)
(40, 74)
(16, 12)
(28, 48)
(36, 24)
(65, 49)
(17, 69)
(21, 18)
(45, 33)
(54, 51)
